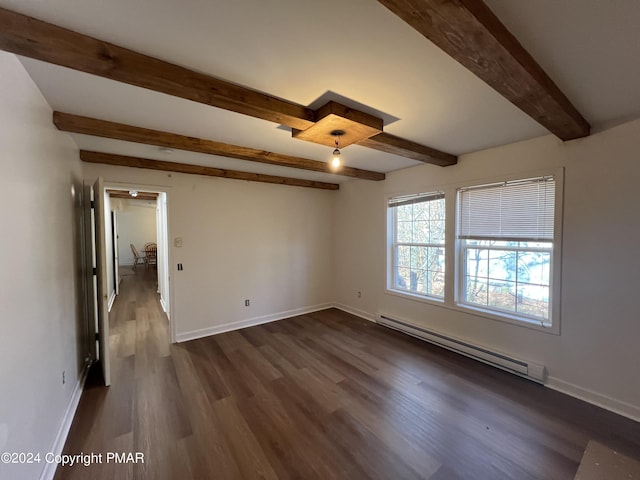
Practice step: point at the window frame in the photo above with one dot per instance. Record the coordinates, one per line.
(553, 323)
(392, 247)
(454, 259)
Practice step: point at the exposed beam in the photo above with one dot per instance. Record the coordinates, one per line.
(91, 126)
(469, 32)
(33, 38)
(27, 36)
(406, 148)
(136, 162)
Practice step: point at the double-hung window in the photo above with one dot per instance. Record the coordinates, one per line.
(417, 243)
(505, 234)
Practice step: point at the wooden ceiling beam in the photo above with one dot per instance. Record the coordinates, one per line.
(43, 41)
(386, 142)
(469, 32)
(137, 162)
(27, 36)
(91, 126)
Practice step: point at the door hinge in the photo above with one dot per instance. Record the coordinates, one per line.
(93, 204)
(95, 271)
(97, 336)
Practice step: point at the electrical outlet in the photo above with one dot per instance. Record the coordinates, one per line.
(63, 379)
(359, 294)
(247, 302)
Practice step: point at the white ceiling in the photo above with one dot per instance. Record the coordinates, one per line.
(357, 50)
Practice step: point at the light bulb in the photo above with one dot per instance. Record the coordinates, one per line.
(335, 161)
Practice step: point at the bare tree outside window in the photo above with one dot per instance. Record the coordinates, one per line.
(418, 244)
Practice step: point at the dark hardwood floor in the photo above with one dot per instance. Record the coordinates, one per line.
(320, 396)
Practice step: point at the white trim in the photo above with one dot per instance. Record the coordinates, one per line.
(476, 312)
(603, 401)
(429, 300)
(49, 470)
(249, 322)
(164, 306)
(112, 299)
(354, 311)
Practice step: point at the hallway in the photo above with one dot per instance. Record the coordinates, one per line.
(127, 416)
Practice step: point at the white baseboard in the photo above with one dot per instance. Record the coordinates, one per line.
(355, 311)
(49, 470)
(595, 398)
(164, 306)
(250, 322)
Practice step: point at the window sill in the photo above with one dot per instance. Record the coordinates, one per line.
(415, 297)
(511, 319)
(478, 312)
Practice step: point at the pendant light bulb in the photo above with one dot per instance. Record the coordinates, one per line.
(335, 160)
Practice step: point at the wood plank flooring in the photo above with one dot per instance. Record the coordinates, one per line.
(320, 396)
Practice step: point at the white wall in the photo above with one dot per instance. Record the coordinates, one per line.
(596, 354)
(137, 225)
(270, 244)
(43, 333)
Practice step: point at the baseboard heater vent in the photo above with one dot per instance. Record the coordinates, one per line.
(519, 367)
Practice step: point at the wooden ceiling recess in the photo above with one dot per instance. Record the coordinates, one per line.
(354, 125)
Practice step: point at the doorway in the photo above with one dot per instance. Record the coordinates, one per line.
(127, 212)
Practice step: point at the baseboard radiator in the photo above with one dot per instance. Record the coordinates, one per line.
(519, 367)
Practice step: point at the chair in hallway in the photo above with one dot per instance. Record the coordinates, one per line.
(137, 258)
(151, 254)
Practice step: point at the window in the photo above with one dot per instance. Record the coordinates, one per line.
(505, 235)
(417, 231)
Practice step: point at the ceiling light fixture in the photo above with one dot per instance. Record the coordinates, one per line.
(336, 161)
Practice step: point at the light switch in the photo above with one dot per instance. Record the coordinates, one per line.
(177, 242)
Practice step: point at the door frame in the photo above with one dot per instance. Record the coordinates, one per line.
(100, 289)
(91, 288)
(167, 258)
(114, 248)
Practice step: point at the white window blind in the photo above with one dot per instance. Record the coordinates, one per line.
(521, 210)
(413, 199)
